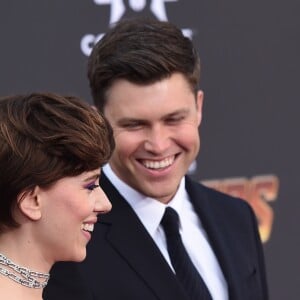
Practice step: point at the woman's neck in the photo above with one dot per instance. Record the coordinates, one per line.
(13, 291)
(22, 275)
(21, 262)
(31, 256)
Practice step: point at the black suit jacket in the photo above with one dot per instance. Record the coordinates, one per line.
(123, 262)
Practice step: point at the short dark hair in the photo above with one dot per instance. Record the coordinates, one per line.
(141, 51)
(43, 138)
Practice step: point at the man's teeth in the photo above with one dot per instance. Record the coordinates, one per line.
(150, 164)
(87, 227)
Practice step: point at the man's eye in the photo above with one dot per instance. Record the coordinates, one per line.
(175, 119)
(92, 186)
(132, 125)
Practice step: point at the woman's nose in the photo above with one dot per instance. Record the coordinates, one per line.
(102, 204)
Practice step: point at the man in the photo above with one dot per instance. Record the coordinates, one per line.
(144, 76)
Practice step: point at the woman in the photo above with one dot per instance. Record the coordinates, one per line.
(51, 151)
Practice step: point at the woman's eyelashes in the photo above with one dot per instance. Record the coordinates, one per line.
(92, 186)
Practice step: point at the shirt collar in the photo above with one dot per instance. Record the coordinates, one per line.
(149, 210)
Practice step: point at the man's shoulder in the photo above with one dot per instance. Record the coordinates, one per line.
(229, 214)
(200, 192)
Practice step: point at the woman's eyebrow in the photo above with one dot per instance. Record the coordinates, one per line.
(94, 176)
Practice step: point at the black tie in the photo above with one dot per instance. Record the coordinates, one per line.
(182, 264)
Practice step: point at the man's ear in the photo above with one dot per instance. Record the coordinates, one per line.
(30, 204)
(199, 104)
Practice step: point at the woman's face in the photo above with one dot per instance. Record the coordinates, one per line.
(69, 211)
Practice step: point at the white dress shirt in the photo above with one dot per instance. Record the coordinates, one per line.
(150, 213)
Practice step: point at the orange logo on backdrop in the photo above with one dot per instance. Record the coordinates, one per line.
(257, 191)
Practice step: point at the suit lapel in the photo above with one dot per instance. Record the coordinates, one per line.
(221, 234)
(131, 240)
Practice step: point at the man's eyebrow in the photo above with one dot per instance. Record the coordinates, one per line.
(138, 120)
(178, 112)
(130, 120)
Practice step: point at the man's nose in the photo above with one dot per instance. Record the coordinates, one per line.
(158, 139)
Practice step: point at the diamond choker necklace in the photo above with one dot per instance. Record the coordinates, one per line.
(27, 277)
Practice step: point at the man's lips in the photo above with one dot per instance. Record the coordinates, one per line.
(158, 164)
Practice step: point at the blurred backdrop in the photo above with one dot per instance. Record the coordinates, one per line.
(250, 71)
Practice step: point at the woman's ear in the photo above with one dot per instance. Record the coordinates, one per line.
(30, 204)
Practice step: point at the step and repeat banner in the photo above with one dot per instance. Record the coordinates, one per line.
(250, 54)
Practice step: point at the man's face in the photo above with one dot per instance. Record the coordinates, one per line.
(156, 133)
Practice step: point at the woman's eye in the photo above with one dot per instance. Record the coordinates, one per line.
(92, 186)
